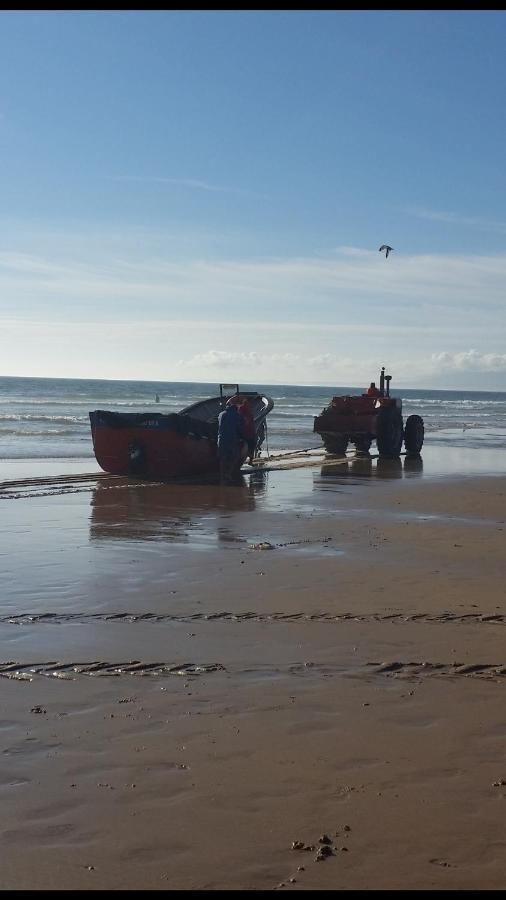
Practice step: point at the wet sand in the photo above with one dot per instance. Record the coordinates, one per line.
(195, 677)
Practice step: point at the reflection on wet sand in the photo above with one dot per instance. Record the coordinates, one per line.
(372, 467)
(413, 465)
(389, 468)
(169, 512)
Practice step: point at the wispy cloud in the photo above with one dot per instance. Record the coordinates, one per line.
(343, 287)
(357, 292)
(451, 218)
(190, 183)
(286, 319)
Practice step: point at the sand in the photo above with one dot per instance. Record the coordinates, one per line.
(196, 677)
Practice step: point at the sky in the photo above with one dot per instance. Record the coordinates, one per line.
(200, 196)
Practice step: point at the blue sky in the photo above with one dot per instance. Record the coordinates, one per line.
(201, 196)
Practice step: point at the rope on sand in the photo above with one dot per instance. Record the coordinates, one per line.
(307, 456)
(56, 479)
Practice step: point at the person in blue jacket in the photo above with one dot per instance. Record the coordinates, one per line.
(230, 436)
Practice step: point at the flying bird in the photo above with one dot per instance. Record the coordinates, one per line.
(387, 248)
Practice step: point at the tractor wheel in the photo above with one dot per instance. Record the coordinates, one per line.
(413, 435)
(335, 444)
(389, 432)
(363, 445)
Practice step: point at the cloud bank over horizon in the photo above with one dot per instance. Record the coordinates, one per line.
(319, 319)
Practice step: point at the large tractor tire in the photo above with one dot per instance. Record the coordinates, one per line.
(414, 433)
(335, 444)
(389, 432)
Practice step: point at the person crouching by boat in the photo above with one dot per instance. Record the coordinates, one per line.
(248, 427)
(230, 435)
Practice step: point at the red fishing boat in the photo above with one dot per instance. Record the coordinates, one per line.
(160, 446)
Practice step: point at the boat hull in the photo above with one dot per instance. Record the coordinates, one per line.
(153, 451)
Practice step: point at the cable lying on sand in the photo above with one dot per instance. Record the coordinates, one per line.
(276, 462)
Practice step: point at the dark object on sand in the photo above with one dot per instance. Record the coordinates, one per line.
(323, 852)
(154, 445)
(373, 415)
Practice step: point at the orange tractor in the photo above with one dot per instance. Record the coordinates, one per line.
(368, 417)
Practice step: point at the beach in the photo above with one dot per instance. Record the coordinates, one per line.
(199, 678)
(252, 450)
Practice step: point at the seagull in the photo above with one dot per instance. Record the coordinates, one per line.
(387, 248)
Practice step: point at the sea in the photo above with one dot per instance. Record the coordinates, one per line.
(47, 418)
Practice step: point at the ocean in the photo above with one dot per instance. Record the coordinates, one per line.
(47, 418)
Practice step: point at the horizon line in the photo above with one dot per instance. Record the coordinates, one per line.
(247, 384)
